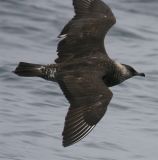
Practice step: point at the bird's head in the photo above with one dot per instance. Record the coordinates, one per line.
(132, 72)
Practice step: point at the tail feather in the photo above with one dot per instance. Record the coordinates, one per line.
(29, 70)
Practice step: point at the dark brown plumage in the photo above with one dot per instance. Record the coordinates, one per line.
(83, 69)
(86, 31)
(86, 92)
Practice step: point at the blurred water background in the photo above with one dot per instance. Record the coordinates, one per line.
(32, 110)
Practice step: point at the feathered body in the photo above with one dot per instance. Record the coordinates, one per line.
(83, 69)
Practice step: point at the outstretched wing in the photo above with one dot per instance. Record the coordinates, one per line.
(89, 98)
(84, 34)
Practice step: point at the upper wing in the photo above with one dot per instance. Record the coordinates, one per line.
(89, 98)
(84, 34)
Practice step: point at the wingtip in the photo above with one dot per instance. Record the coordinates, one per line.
(64, 144)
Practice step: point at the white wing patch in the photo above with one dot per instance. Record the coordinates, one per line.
(62, 36)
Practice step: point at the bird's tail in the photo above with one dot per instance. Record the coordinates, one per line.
(29, 70)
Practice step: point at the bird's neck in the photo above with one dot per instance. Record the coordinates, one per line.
(121, 69)
(121, 72)
(117, 74)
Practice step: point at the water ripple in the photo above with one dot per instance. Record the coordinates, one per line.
(32, 110)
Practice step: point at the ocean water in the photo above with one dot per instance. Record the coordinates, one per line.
(32, 110)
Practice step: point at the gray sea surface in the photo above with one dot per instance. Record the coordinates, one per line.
(32, 110)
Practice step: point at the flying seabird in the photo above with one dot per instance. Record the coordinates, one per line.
(83, 69)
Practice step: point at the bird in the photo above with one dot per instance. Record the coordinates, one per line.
(83, 69)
